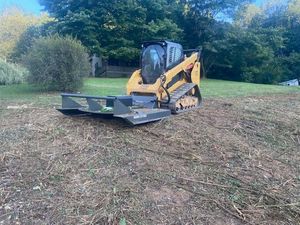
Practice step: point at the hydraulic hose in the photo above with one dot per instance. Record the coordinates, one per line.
(163, 80)
(168, 95)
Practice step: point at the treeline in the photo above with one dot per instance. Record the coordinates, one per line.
(240, 40)
(261, 45)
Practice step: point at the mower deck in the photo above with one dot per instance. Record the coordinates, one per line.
(132, 109)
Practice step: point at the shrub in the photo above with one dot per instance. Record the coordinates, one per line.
(25, 42)
(11, 73)
(57, 63)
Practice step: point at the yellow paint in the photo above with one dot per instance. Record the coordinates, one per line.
(135, 84)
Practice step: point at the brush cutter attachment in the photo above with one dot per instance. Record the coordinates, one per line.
(132, 109)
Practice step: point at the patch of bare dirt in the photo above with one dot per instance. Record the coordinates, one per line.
(233, 161)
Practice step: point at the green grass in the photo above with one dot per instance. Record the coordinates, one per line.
(117, 86)
(221, 88)
(105, 86)
(209, 88)
(24, 93)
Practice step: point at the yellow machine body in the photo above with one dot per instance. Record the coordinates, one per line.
(135, 83)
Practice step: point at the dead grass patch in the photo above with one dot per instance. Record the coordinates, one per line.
(232, 162)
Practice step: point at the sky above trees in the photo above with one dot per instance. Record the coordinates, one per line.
(32, 6)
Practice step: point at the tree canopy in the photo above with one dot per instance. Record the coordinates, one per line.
(262, 44)
(240, 40)
(13, 23)
(116, 28)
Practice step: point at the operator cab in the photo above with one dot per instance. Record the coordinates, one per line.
(158, 57)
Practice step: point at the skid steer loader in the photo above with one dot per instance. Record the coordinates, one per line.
(167, 83)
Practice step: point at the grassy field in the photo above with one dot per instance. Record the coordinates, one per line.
(117, 86)
(210, 88)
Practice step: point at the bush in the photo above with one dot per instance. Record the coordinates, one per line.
(11, 73)
(57, 63)
(25, 42)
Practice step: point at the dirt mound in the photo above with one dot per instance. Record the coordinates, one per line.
(232, 162)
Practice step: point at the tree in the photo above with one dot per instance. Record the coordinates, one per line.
(201, 18)
(25, 42)
(245, 16)
(13, 23)
(294, 9)
(114, 28)
(204, 24)
(260, 46)
(241, 41)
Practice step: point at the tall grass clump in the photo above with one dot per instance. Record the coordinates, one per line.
(12, 73)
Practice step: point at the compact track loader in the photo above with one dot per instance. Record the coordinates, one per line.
(167, 83)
